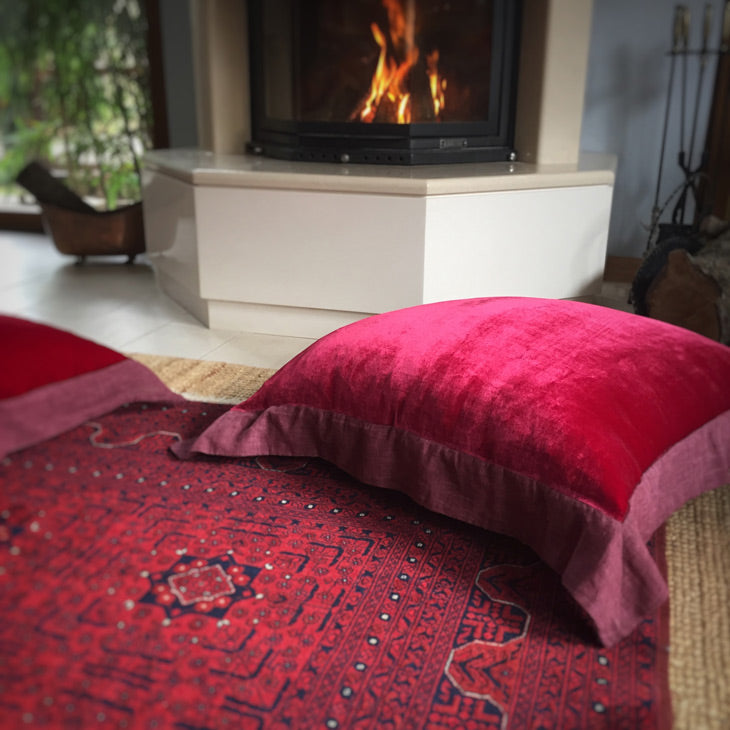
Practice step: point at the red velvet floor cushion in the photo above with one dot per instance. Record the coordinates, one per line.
(575, 428)
(53, 380)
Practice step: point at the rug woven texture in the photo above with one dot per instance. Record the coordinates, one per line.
(697, 551)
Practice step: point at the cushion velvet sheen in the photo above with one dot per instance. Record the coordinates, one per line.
(575, 428)
(53, 380)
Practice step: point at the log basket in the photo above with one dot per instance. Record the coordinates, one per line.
(78, 229)
(95, 233)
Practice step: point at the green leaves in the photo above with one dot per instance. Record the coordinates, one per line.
(74, 92)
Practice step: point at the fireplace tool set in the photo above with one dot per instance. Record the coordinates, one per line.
(691, 167)
(682, 232)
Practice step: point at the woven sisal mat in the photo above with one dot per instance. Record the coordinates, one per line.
(698, 558)
(215, 382)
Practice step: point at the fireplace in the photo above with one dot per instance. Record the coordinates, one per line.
(286, 247)
(384, 81)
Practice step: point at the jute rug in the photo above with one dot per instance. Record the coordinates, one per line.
(215, 382)
(697, 546)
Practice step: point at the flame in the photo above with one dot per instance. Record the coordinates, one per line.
(401, 28)
(389, 81)
(436, 83)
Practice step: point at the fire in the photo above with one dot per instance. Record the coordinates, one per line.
(436, 83)
(387, 82)
(388, 91)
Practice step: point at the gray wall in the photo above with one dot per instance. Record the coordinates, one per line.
(177, 59)
(626, 92)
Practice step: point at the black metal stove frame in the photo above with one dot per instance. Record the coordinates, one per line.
(488, 140)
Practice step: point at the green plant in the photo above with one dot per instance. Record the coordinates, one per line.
(74, 92)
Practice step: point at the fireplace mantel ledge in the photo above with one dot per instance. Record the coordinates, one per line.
(199, 167)
(253, 244)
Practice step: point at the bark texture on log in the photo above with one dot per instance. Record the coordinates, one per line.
(37, 180)
(693, 291)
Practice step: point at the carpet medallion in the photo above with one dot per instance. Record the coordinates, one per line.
(139, 591)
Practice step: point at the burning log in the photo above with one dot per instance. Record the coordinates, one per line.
(406, 86)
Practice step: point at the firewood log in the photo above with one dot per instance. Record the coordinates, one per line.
(46, 188)
(693, 290)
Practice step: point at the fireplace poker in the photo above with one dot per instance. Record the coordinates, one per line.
(685, 162)
(680, 33)
(704, 56)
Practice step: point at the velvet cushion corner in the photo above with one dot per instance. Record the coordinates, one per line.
(54, 380)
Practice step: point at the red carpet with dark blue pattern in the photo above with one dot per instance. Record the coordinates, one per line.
(139, 591)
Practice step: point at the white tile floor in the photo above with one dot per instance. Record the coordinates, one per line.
(119, 306)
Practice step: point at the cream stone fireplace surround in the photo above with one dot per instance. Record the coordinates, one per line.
(254, 244)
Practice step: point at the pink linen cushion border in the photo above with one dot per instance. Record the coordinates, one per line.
(604, 563)
(539, 418)
(57, 380)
